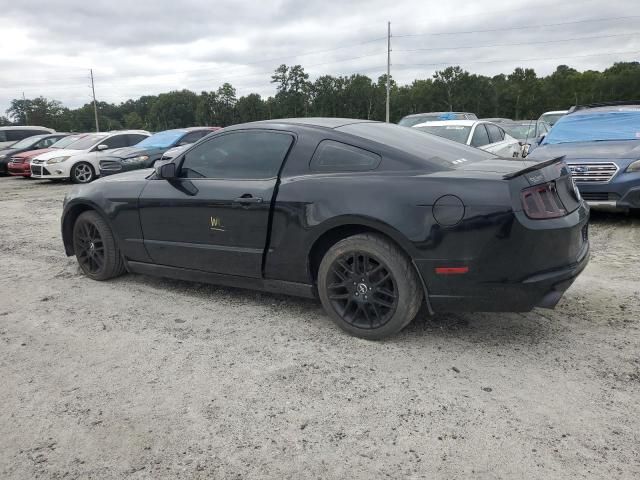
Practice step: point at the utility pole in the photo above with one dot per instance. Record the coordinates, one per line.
(95, 106)
(388, 68)
(24, 105)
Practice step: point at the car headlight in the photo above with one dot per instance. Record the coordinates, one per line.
(56, 160)
(634, 167)
(139, 158)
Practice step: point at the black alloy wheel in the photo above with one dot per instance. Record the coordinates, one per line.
(95, 247)
(368, 286)
(89, 248)
(362, 290)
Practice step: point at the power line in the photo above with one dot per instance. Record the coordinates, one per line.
(517, 44)
(512, 60)
(519, 27)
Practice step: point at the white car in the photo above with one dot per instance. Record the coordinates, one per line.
(552, 117)
(79, 161)
(477, 133)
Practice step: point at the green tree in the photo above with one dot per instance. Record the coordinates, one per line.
(175, 109)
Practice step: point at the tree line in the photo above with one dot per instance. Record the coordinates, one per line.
(518, 95)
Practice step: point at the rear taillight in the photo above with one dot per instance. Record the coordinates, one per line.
(542, 201)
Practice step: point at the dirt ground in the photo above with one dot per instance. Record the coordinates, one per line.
(150, 378)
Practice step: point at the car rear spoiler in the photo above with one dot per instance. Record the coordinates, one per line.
(532, 168)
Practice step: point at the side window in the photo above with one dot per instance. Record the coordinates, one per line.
(331, 156)
(117, 141)
(16, 135)
(480, 137)
(193, 137)
(242, 155)
(495, 133)
(134, 138)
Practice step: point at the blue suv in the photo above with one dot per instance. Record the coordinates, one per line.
(601, 145)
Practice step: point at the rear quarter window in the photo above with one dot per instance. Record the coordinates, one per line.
(332, 156)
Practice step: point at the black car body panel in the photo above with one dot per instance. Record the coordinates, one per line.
(270, 233)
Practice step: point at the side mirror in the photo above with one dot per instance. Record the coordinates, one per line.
(102, 146)
(182, 144)
(166, 171)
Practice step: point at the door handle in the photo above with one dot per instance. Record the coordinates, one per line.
(248, 198)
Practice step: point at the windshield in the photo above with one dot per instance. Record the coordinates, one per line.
(435, 150)
(596, 126)
(87, 141)
(27, 142)
(162, 139)
(63, 142)
(552, 118)
(520, 131)
(457, 133)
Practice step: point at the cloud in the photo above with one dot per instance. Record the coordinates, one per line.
(147, 47)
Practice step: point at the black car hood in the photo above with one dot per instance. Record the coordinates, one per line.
(605, 150)
(128, 152)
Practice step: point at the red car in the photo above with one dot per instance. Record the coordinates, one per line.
(20, 164)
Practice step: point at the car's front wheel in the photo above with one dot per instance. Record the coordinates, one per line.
(82, 172)
(95, 247)
(368, 286)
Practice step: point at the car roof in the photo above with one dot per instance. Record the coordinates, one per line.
(630, 107)
(443, 123)
(323, 122)
(435, 113)
(31, 127)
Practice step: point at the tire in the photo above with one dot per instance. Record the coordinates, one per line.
(82, 172)
(378, 303)
(95, 247)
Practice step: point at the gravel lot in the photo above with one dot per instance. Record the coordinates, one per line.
(150, 378)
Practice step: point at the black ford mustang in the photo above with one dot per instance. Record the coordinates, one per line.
(373, 218)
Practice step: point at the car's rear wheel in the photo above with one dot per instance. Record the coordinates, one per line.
(82, 172)
(95, 247)
(368, 286)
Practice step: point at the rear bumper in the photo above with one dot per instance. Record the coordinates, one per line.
(544, 289)
(515, 268)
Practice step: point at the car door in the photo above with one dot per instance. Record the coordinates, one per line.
(500, 143)
(114, 141)
(215, 216)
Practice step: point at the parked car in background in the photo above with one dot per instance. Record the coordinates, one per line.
(30, 143)
(497, 120)
(552, 117)
(416, 118)
(528, 132)
(293, 205)
(480, 134)
(601, 145)
(147, 152)
(10, 135)
(20, 163)
(79, 161)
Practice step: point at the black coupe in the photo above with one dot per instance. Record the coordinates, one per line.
(372, 218)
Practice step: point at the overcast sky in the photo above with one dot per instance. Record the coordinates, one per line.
(147, 47)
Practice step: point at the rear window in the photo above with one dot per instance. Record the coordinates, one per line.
(331, 156)
(438, 152)
(457, 133)
(622, 124)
